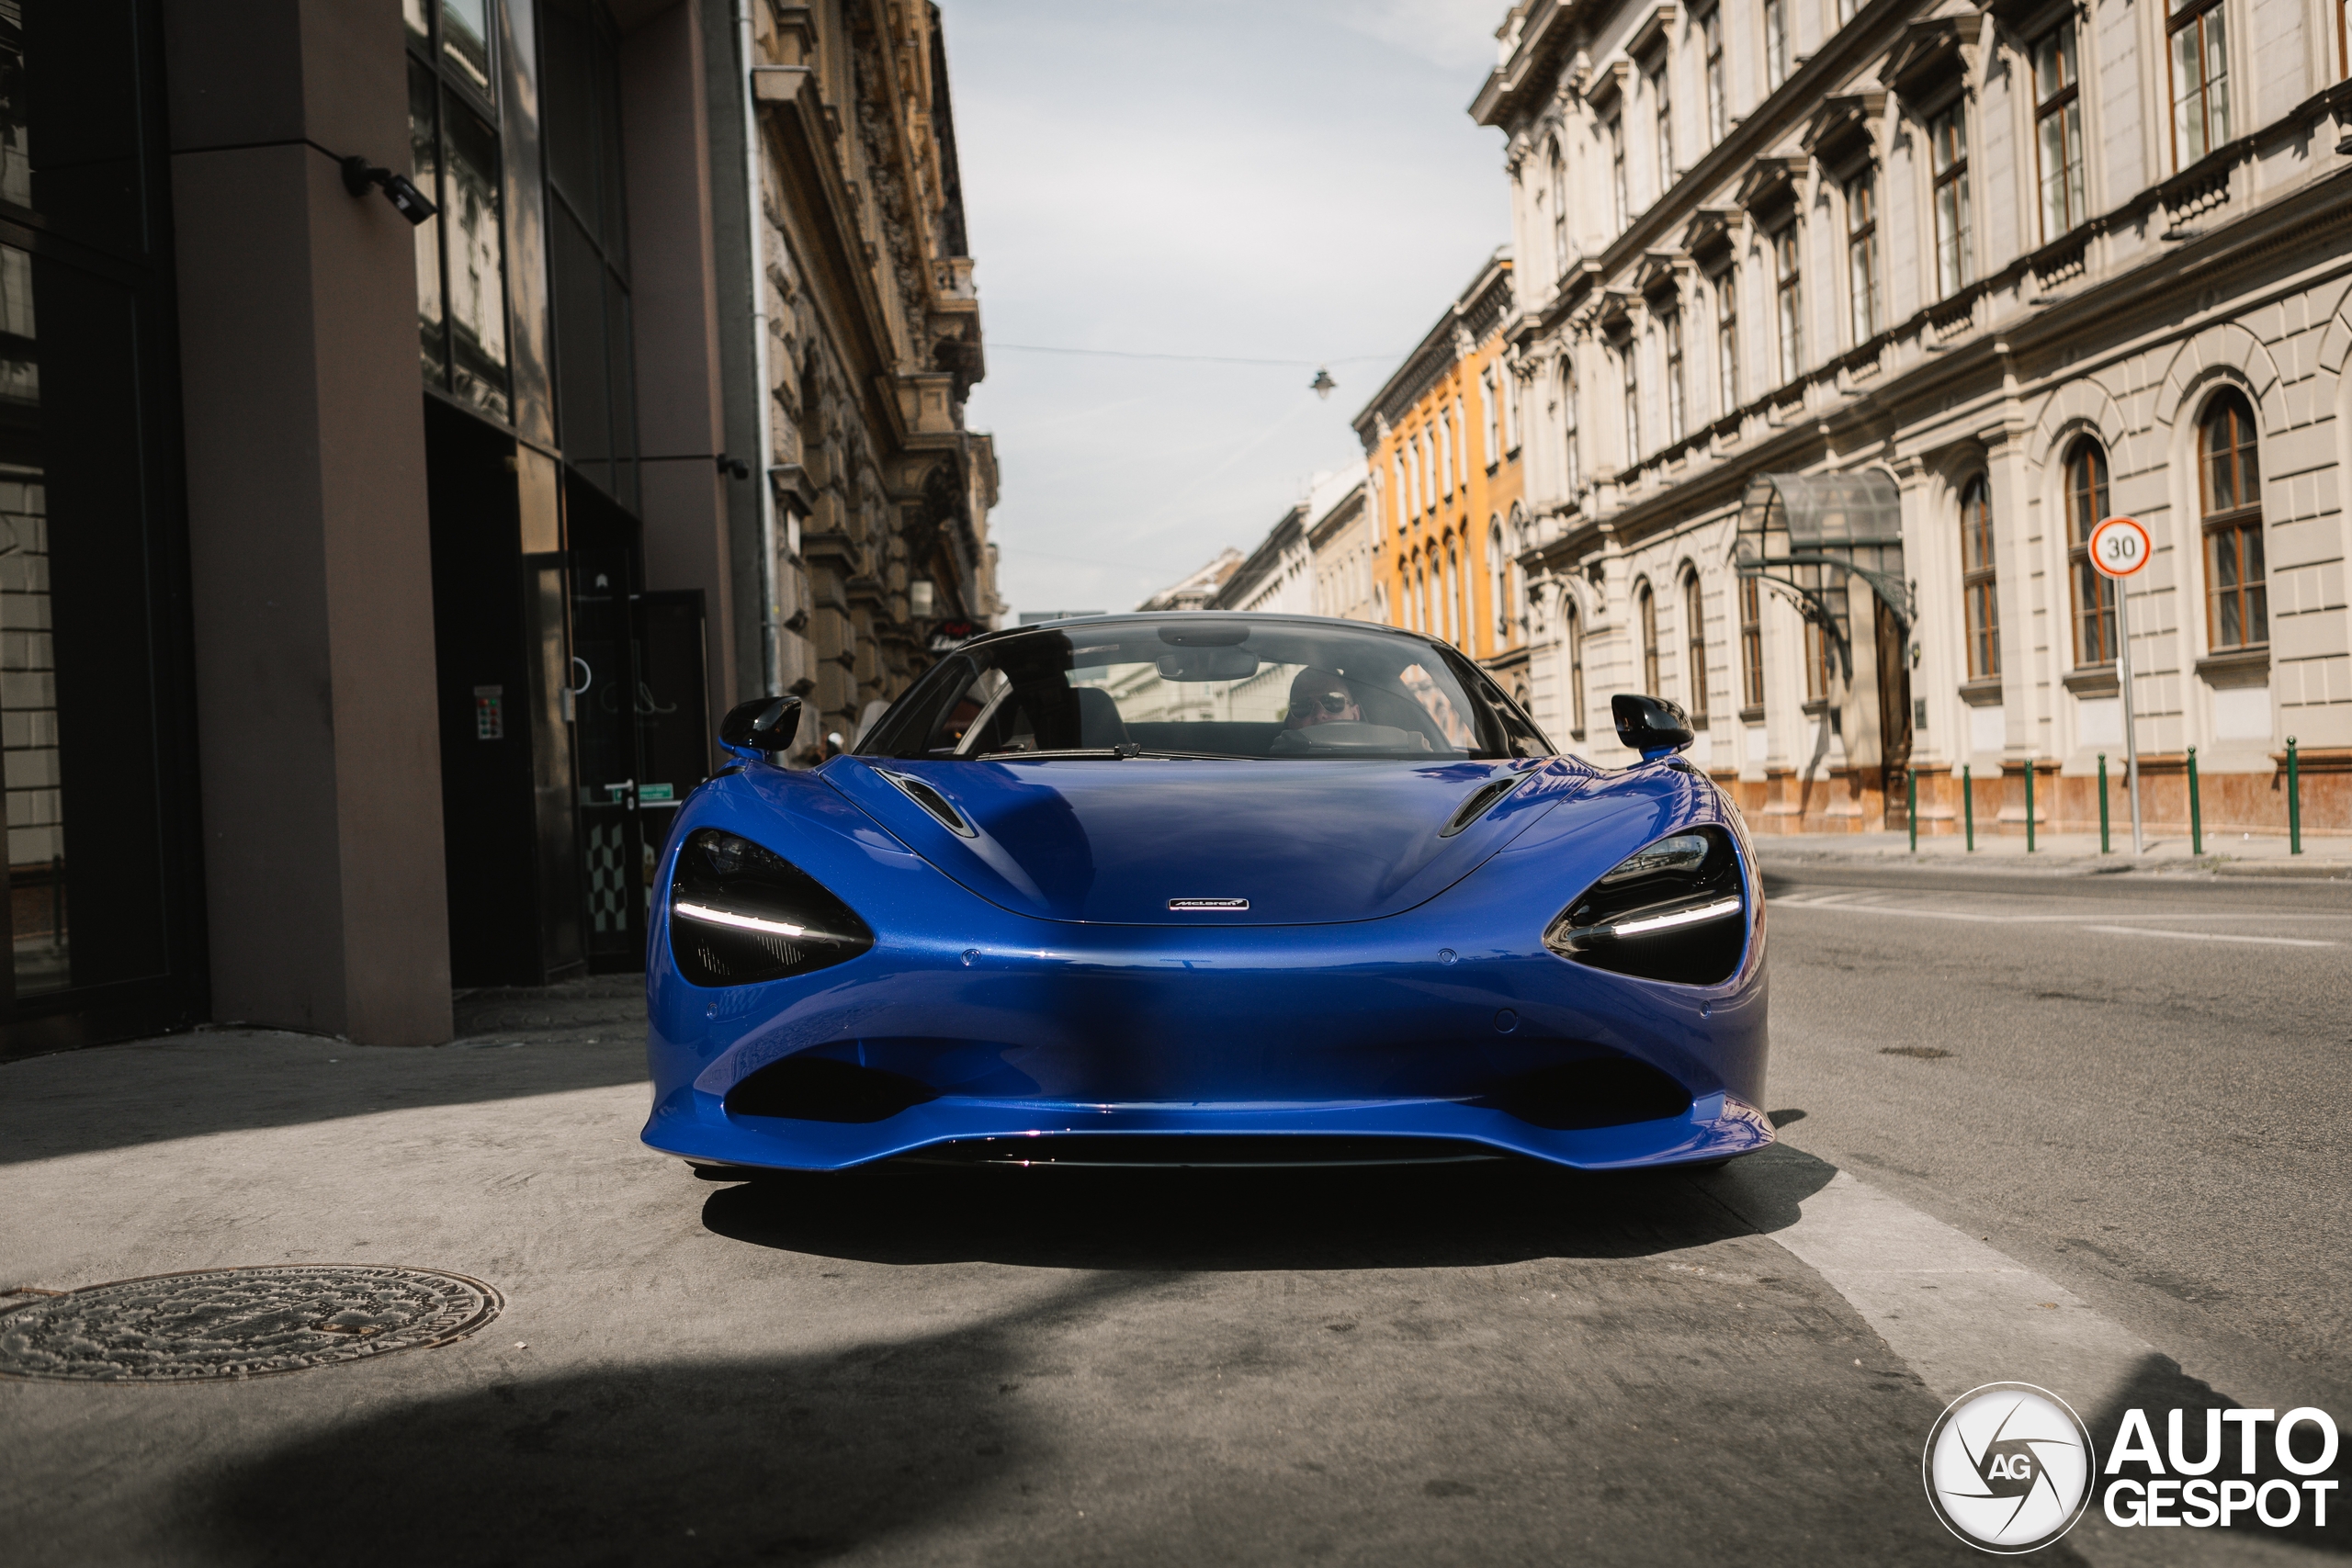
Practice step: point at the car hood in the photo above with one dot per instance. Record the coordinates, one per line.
(1304, 842)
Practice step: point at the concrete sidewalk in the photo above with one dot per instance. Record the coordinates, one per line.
(2067, 855)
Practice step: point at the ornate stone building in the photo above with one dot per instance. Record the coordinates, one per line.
(1443, 439)
(868, 334)
(1838, 324)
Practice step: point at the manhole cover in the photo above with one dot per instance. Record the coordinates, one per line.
(237, 1322)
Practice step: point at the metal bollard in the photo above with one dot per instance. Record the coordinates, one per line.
(1968, 806)
(2029, 805)
(2294, 803)
(1911, 805)
(2196, 815)
(2103, 846)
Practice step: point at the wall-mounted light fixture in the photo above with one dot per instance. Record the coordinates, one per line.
(411, 203)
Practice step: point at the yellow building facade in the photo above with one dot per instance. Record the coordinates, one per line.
(1441, 442)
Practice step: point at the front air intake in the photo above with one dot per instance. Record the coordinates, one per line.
(1604, 1092)
(818, 1089)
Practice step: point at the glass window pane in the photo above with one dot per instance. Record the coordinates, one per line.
(424, 168)
(475, 255)
(2053, 177)
(2217, 77)
(70, 122)
(2188, 84)
(465, 39)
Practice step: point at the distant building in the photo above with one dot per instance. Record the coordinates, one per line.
(1441, 438)
(1842, 327)
(1200, 590)
(1340, 544)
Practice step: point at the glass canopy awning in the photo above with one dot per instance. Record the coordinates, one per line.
(1796, 529)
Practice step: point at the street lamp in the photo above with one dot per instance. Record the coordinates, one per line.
(1322, 385)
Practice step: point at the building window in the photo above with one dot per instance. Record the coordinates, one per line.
(1694, 647)
(1629, 357)
(1727, 342)
(1751, 645)
(1490, 412)
(1645, 622)
(460, 256)
(1947, 141)
(1497, 600)
(1711, 47)
(1820, 655)
(1559, 210)
(1776, 43)
(1509, 388)
(2200, 81)
(1846, 9)
(1621, 197)
(1665, 106)
(1671, 327)
(2237, 608)
(1861, 254)
(588, 266)
(2093, 595)
(1575, 639)
(1453, 591)
(1444, 456)
(1789, 285)
(1399, 498)
(1977, 581)
(2058, 131)
(1573, 471)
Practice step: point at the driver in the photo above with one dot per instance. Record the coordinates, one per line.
(1317, 696)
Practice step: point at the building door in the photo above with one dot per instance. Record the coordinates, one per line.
(1892, 649)
(604, 555)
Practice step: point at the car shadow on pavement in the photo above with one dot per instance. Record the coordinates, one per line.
(1380, 1217)
(783, 1459)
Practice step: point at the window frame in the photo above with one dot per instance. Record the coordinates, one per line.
(1573, 633)
(1727, 339)
(1621, 194)
(1979, 580)
(1864, 294)
(1670, 336)
(1694, 644)
(2239, 525)
(1662, 113)
(2065, 106)
(1646, 632)
(1751, 646)
(1711, 54)
(2084, 477)
(1776, 44)
(1631, 356)
(2195, 16)
(1787, 246)
(1955, 261)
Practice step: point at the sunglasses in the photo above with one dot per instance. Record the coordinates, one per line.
(1329, 701)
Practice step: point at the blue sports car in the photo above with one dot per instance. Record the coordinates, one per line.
(1202, 888)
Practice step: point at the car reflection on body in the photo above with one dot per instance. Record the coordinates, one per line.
(1205, 888)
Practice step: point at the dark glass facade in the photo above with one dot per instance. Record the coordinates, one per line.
(95, 708)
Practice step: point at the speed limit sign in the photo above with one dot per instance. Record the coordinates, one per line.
(2120, 546)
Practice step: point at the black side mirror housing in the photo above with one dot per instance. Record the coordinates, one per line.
(751, 730)
(1651, 726)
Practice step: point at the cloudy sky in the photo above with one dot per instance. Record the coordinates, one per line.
(1289, 180)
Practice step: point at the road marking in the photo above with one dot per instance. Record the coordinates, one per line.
(2214, 936)
(1961, 1313)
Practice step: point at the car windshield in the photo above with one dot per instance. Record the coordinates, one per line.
(1204, 686)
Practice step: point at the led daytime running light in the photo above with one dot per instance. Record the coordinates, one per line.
(744, 922)
(1713, 912)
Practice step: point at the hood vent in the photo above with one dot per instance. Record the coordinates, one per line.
(930, 800)
(1482, 800)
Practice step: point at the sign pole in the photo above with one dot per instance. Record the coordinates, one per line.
(2130, 726)
(2120, 548)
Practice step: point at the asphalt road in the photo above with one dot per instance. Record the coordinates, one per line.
(2140, 1085)
(2125, 1180)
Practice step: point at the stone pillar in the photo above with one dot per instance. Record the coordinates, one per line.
(311, 556)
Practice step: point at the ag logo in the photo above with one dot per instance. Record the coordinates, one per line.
(2008, 1467)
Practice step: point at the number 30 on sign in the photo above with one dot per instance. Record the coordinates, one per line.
(2120, 546)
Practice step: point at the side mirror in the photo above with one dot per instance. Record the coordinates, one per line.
(1651, 726)
(751, 730)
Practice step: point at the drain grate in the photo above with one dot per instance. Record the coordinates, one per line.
(237, 1322)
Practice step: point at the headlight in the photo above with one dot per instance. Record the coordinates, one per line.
(741, 914)
(1676, 910)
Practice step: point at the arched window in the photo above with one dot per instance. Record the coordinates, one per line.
(2237, 605)
(1694, 643)
(1751, 646)
(1573, 629)
(2093, 595)
(1498, 602)
(1645, 620)
(1453, 590)
(1982, 613)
